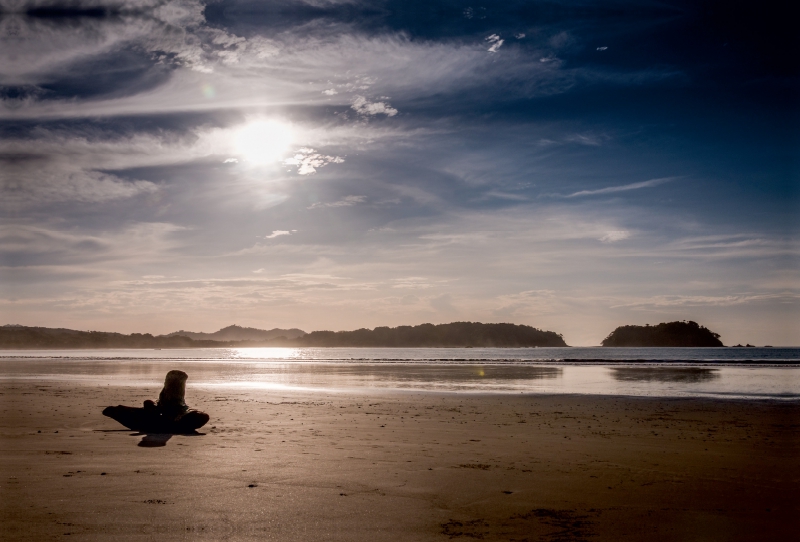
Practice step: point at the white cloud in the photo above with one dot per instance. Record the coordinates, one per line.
(520, 35)
(362, 106)
(614, 236)
(330, 92)
(602, 48)
(278, 233)
(344, 202)
(495, 43)
(623, 188)
(308, 160)
(256, 76)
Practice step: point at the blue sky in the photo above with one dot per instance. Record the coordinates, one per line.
(329, 164)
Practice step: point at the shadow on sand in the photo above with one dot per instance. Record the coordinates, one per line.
(152, 440)
(156, 440)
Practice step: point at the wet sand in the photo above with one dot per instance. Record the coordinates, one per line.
(399, 466)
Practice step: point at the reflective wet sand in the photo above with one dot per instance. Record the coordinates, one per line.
(777, 382)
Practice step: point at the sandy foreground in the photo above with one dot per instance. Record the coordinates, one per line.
(398, 466)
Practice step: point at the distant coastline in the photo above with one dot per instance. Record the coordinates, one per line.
(687, 334)
(42, 338)
(456, 334)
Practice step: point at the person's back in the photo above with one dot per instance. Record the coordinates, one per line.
(171, 399)
(169, 415)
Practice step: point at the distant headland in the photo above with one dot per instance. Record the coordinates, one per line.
(675, 334)
(238, 333)
(35, 338)
(456, 334)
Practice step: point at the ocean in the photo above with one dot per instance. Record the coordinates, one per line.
(735, 373)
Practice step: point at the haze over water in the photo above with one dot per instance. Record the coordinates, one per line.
(753, 373)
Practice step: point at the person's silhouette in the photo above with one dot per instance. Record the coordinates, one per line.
(169, 415)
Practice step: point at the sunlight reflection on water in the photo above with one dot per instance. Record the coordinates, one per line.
(266, 353)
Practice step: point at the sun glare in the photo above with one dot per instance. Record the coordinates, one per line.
(263, 142)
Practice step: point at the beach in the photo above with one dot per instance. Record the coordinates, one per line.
(398, 465)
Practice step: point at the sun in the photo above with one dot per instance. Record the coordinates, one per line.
(263, 142)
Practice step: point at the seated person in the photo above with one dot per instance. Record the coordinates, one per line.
(169, 415)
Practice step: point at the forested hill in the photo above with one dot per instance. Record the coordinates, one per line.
(238, 333)
(23, 337)
(666, 334)
(457, 334)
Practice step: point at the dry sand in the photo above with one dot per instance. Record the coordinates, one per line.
(399, 466)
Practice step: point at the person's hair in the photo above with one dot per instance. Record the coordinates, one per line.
(174, 389)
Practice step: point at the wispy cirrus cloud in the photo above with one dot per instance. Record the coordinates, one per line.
(279, 233)
(622, 188)
(707, 300)
(614, 236)
(27, 247)
(35, 181)
(347, 201)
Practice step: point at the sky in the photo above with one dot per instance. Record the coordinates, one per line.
(337, 164)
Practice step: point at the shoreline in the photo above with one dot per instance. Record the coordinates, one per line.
(236, 346)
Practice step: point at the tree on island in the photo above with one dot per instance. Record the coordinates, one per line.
(665, 334)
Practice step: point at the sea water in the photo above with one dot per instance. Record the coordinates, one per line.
(741, 373)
